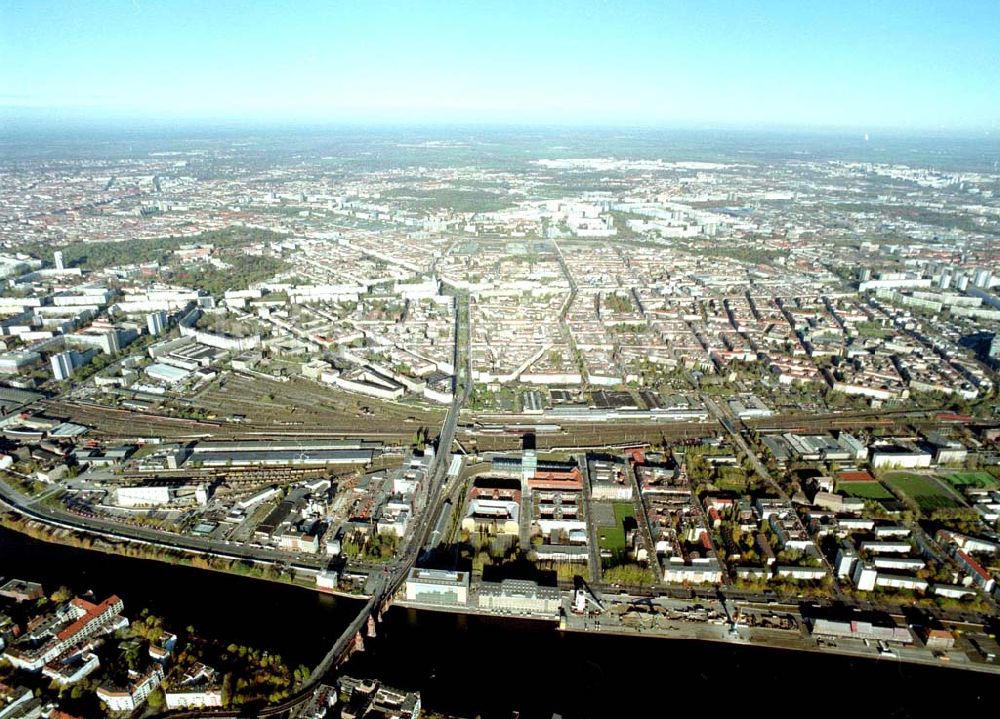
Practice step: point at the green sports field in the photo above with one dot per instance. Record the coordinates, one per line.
(923, 490)
(972, 479)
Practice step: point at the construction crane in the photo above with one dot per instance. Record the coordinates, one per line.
(584, 595)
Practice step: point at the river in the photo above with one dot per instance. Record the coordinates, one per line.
(300, 624)
(488, 667)
(475, 666)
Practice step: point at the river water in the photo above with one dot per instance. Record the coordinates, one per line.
(297, 623)
(476, 666)
(489, 667)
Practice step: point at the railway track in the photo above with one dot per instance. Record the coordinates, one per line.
(873, 418)
(125, 423)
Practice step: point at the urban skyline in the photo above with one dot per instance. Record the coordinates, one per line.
(733, 388)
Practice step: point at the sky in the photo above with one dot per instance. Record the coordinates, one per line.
(844, 63)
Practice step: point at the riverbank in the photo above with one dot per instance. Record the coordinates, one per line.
(786, 640)
(92, 540)
(797, 639)
(418, 606)
(468, 663)
(693, 631)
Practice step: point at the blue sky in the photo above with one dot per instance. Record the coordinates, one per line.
(905, 63)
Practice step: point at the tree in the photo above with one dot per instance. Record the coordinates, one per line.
(156, 700)
(62, 594)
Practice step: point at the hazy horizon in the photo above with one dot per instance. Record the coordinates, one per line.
(55, 120)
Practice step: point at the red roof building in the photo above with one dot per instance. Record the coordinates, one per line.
(571, 481)
(90, 617)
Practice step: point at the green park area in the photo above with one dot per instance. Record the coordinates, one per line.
(927, 493)
(732, 479)
(972, 479)
(613, 538)
(619, 569)
(872, 329)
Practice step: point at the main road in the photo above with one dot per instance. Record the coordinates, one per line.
(737, 437)
(38, 511)
(385, 586)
